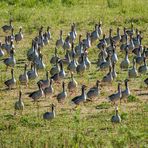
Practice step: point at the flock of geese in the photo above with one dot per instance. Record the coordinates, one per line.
(76, 60)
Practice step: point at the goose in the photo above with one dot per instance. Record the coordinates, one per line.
(137, 51)
(45, 39)
(7, 28)
(10, 61)
(56, 77)
(116, 96)
(63, 95)
(48, 33)
(146, 81)
(23, 78)
(55, 57)
(116, 118)
(114, 74)
(19, 36)
(94, 35)
(87, 61)
(60, 41)
(19, 105)
(1, 51)
(37, 94)
(72, 84)
(62, 73)
(130, 44)
(126, 92)
(55, 69)
(133, 73)
(117, 38)
(67, 44)
(12, 36)
(137, 41)
(125, 62)
(124, 36)
(72, 34)
(94, 91)
(130, 31)
(124, 44)
(108, 39)
(100, 29)
(11, 82)
(102, 43)
(79, 47)
(73, 52)
(139, 57)
(50, 115)
(48, 91)
(81, 98)
(143, 68)
(81, 67)
(108, 78)
(67, 58)
(30, 50)
(45, 83)
(39, 63)
(32, 74)
(114, 57)
(87, 41)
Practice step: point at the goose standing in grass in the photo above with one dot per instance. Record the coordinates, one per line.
(130, 31)
(139, 57)
(87, 61)
(23, 78)
(1, 51)
(9, 27)
(117, 37)
(36, 95)
(54, 58)
(48, 91)
(124, 36)
(60, 41)
(108, 78)
(116, 118)
(114, 57)
(81, 67)
(94, 91)
(102, 43)
(126, 92)
(11, 82)
(40, 65)
(49, 33)
(62, 73)
(87, 41)
(143, 69)
(67, 44)
(94, 35)
(130, 44)
(116, 96)
(82, 98)
(72, 65)
(133, 73)
(72, 34)
(72, 84)
(108, 39)
(125, 63)
(63, 95)
(10, 61)
(19, 105)
(114, 74)
(19, 36)
(55, 69)
(50, 115)
(45, 40)
(44, 83)
(79, 47)
(32, 74)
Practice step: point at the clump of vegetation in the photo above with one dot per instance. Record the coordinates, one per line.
(132, 98)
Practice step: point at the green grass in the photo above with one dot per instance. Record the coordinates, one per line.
(89, 125)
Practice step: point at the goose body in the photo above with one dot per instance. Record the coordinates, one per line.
(116, 118)
(19, 36)
(11, 82)
(125, 63)
(60, 41)
(7, 27)
(82, 98)
(126, 92)
(143, 69)
(32, 74)
(72, 84)
(116, 96)
(133, 73)
(81, 67)
(49, 89)
(49, 115)
(108, 78)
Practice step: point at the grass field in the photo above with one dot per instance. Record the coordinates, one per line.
(89, 125)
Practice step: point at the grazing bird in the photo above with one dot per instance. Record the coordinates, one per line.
(19, 105)
(10, 61)
(116, 118)
(23, 78)
(63, 95)
(50, 115)
(48, 91)
(116, 96)
(36, 95)
(19, 36)
(9, 27)
(126, 92)
(11, 82)
(72, 84)
(82, 98)
(94, 91)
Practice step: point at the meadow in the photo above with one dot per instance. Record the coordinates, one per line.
(89, 125)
